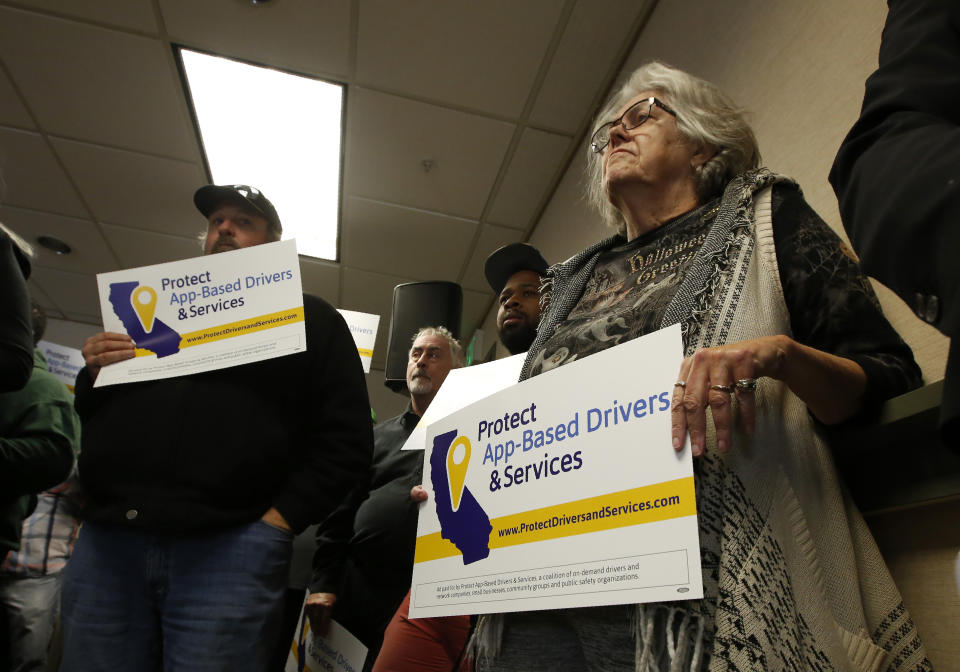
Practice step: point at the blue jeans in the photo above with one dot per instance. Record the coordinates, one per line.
(140, 601)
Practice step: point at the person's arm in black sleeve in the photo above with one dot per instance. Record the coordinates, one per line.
(16, 331)
(333, 542)
(40, 441)
(85, 397)
(831, 304)
(897, 174)
(329, 561)
(337, 432)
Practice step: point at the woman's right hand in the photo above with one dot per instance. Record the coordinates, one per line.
(831, 386)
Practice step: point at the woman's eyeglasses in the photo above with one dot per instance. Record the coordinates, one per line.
(635, 115)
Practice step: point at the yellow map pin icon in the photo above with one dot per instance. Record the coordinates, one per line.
(145, 303)
(458, 459)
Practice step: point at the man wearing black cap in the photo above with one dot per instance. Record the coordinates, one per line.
(196, 485)
(514, 272)
(233, 214)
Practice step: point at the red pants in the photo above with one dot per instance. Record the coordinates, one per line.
(429, 644)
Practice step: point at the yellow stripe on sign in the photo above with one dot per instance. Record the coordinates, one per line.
(243, 327)
(364, 352)
(661, 501)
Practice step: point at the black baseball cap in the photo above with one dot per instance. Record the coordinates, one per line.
(209, 198)
(509, 259)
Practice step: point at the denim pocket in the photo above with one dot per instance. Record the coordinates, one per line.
(287, 534)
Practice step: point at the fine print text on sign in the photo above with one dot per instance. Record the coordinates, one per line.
(206, 313)
(561, 491)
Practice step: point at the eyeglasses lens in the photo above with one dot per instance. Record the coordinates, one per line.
(633, 117)
(636, 115)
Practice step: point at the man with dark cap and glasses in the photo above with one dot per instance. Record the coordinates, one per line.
(196, 485)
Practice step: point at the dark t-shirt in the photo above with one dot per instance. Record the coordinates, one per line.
(629, 291)
(830, 302)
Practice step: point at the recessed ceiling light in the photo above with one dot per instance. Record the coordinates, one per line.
(277, 132)
(54, 244)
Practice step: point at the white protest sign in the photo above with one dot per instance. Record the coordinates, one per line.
(363, 328)
(561, 491)
(461, 388)
(211, 312)
(338, 651)
(64, 363)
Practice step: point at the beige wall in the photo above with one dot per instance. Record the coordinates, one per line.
(798, 68)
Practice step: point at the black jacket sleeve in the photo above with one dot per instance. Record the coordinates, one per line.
(16, 332)
(338, 434)
(897, 174)
(41, 436)
(333, 544)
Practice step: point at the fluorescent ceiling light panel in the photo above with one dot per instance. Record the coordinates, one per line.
(277, 132)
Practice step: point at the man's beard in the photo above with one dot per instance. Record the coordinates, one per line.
(223, 244)
(420, 385)
(518, 338)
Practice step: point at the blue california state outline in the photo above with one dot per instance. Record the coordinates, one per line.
(162, 340)
(469, 526)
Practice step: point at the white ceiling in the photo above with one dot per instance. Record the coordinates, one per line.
(97, 145)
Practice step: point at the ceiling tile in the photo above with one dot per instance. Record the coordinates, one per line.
(12, 111)
(321, 279)
(452, 38)
(389, 137)
(491, 239)
(90, 253)
(404, 241)
(41, 297)
(137, 248)
(475, 307)
(372, 293)
(568, 223)
(135, 190)
(70, 333)
(301, 35)
(532, 169)
(132, 14)
(96, 84)
(585, 57)
(32, 176)
(70, 292)
(368, 292)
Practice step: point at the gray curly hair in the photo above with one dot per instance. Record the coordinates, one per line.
(705, 116)
(456, 350)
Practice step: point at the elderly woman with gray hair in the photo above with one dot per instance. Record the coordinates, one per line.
(783, 336)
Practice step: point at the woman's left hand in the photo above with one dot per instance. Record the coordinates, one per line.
(710, 378)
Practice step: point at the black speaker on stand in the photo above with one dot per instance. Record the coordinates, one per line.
(417, 305)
